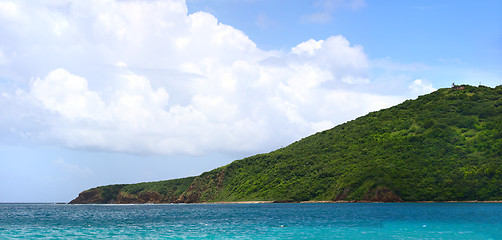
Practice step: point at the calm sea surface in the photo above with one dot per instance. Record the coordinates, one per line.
(254, 221)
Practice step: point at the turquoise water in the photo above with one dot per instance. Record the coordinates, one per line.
(254, 221)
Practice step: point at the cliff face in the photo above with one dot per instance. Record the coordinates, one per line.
(207, 186)
(89, 197)
(444, 146)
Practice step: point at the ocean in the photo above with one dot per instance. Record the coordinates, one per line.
(253, 221)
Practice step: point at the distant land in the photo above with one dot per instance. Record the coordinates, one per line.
(443, 146)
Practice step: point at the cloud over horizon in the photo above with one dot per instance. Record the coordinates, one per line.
(147, 77)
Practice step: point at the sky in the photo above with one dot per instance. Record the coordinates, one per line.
(123, 91)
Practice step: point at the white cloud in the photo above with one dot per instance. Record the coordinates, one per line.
(421, 87)
(345, 63)
(351, 104)
(121, 64)
(68, 95)
(146, 77)
(308, 47)
(8, 10)
(322, 125)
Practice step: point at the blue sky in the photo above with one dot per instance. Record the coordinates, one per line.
(129, 91)
(450, 35)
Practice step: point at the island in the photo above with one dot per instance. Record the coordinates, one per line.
(443, 146)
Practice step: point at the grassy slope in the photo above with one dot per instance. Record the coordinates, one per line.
(443, 146)
(446, 145)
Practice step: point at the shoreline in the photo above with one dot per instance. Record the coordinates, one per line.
(274, 202)
(341, 201)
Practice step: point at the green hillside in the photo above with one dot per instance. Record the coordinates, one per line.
(443, 146)
(148, 192)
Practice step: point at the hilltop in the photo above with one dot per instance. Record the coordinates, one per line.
(443, 146)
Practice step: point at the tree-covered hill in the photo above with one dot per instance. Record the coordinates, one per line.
(444, 146)
(147, 192)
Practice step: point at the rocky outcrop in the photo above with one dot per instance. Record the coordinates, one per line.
(343, 194)
(92, 196)
(381, 194)
(205, 187)
(142, 197)
(124, 198)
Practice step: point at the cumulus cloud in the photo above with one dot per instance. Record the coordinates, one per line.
(68, 95)
(309, 47)
(146, 77)
(8, 10)
(420, 87)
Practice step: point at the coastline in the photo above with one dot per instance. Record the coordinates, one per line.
(264, 202)
(342, 201)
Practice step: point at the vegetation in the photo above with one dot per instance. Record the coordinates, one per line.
(443, 146)
(148, 192)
